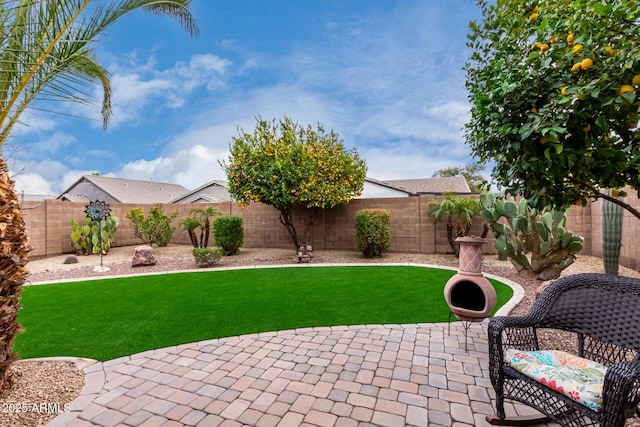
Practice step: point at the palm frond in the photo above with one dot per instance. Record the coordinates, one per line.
(46, 50)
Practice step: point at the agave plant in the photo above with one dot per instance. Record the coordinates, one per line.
(46, 53)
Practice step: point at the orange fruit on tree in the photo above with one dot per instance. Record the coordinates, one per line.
(577, 49)
(570, 38)
(636, 80)
(610, 50)
(563, 91)
(576, 67)
(586, 63)
(625, 89)
(533, 16)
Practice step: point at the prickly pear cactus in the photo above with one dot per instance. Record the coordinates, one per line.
(85, 238)
(612, 215)
(535, 241)
(81, 236)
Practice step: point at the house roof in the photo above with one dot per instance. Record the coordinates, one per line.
(73, 197)
(130, 190)
(35, 197)
(454, 184)
(388, 184)
(198, 194)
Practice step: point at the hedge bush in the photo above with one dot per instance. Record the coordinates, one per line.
(228, 233)
(373, 231)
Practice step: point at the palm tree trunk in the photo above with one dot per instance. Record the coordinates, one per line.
(207, 232)
(14, 250)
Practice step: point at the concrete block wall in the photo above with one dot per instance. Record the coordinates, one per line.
(412, 230)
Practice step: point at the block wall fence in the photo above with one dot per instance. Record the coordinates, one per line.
(412, 230)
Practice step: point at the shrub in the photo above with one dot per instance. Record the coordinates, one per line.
(228, 234)
(373, 231)
(155, 228)
(206, 257)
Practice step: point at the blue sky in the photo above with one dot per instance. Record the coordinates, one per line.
(385, 75)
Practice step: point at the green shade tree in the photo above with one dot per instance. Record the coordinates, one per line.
(554, 88)
(286, 165)
(46, 54)
(471, 172)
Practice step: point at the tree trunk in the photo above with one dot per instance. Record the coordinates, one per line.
(207, 231)
(287, 220)
(305, 235)
(194, 239)
(14, 250)
(452, 241)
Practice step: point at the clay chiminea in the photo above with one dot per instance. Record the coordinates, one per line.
(470, 296)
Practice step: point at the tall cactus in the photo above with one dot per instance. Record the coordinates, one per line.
(612, 215)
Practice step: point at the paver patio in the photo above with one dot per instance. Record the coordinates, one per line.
(374, 375)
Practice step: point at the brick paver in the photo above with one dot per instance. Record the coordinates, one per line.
(415, 375)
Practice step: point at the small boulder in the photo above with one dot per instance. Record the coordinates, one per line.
(550, 272)
(143, 255)
(71, 259)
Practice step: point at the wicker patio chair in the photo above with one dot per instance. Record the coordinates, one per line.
(604, 313)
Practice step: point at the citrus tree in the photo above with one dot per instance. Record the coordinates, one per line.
(286, 165)
(46, 54)
(554, 87)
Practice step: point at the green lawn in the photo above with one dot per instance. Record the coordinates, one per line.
(105, 319)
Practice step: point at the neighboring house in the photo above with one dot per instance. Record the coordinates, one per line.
(211, 192)
(35, 197)
(117, 190)
(453, 184)
(413, 187)
(374, 189)
(216, 191)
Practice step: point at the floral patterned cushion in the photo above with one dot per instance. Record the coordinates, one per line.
(580, 379)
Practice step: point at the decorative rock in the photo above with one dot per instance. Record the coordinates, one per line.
(143, 255)
(551, 272)
(71, 260)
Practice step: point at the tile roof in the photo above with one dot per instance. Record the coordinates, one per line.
(132, 191)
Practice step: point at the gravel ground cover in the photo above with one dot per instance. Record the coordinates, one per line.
(42, 388)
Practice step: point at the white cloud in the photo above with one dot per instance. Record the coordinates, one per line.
(190, 168)
(45, 177)
(33, 183)
(142, 92)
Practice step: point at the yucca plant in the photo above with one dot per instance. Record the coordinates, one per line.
(46, 53)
